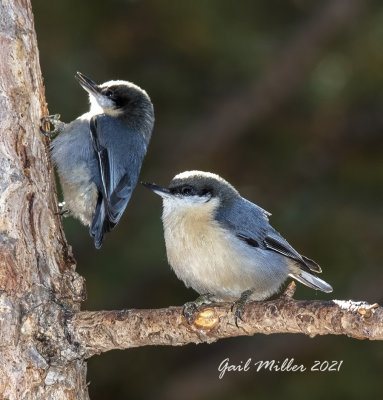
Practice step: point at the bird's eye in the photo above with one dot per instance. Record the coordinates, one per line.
(187, 191)
(108, 93)
(206, 192)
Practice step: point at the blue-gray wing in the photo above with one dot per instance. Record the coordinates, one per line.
(246, 220)
(250, 223)
(119, 153)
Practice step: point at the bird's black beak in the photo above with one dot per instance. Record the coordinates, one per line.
(87, 84)
(163, 192)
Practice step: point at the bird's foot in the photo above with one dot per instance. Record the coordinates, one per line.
(191, 307)
(53, 120)
(62, 211)
(239, 305)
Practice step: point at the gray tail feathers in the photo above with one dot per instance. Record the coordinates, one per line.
(101, 222)
(97, 228)
(312, 281)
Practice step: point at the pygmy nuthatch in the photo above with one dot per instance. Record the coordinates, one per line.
(99, 155)
(223, 246)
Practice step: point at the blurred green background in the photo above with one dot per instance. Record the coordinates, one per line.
(283, 99)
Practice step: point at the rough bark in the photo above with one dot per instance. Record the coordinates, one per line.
(38, 283)
(96, 332)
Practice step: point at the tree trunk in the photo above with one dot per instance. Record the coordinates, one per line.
(38, 282)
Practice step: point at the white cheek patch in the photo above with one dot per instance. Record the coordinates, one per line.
(178, 205)
(105, 102)
(190, 201)
(100, 104)
(95, 108)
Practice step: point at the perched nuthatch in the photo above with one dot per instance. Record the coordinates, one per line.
(99, 155)
(223, 246)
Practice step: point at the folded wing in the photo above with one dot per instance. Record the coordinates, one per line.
(119, 152)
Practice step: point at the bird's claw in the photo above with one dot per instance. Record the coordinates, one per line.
(190, 308)
(238, 311)
(239, 306)
(51, 120)
(62, 211)
(188, 311)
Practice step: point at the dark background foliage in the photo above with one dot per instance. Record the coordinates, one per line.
(284, 100)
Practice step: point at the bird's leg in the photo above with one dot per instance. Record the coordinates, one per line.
(52, 120)
(239, 305)
(289, 291)
(191, 307)
(62, 211)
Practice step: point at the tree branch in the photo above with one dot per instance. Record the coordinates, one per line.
(95, 332)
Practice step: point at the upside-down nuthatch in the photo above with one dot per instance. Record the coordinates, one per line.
(223, 246)
(99, 155)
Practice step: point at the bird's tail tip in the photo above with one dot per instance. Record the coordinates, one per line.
(98, 236)
(98, 242)
(96, 228)
(312, 281)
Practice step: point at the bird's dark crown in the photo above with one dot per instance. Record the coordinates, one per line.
(199, 183)
(126, 95)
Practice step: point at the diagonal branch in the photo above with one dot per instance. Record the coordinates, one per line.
(94, 332)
